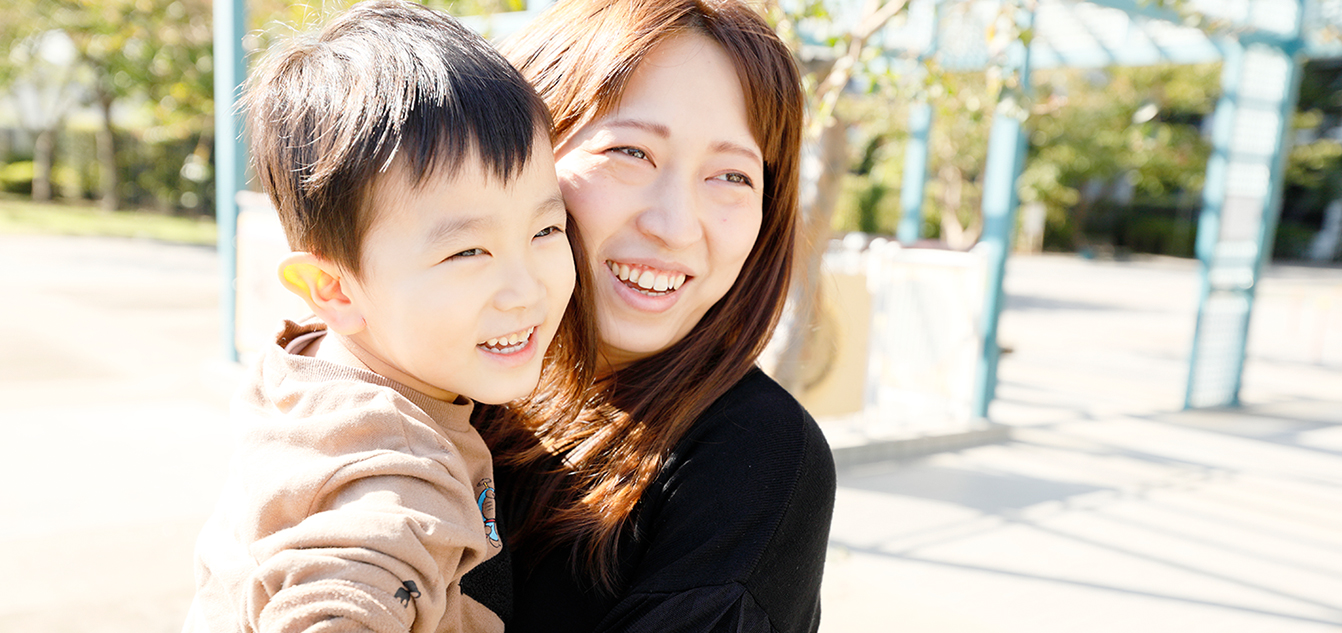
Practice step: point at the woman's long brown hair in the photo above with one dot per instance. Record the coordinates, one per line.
(582, 472)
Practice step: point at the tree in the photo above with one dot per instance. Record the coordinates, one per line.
(825, 161)
(1127, 131)
(156, 51)
(43, 84)
(857, 72)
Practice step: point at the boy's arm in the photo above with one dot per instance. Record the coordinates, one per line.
(382, 550)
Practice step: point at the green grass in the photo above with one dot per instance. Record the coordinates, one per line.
(20, 215)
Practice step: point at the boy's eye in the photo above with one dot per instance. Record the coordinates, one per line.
(737, 177)
(470, 252)
(549, 230)
(633, 152)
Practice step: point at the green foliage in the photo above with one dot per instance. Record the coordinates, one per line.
(154, 59)
(870, 190)
(1097, 132)
(17, 177)
(1314, 165)
(957, 149)
(275, 20)
(1100, 132)
(1292, 241)
(75, 174)
(1148, 232)
(1313, 176)
(25, 217)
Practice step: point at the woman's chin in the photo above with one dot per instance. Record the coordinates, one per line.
(630, 344)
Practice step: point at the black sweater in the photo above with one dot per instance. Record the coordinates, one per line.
(731, 536)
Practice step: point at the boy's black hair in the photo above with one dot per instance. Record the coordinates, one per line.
(386, 80)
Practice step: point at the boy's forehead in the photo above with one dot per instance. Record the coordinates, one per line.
(403, 176)
(458, 191)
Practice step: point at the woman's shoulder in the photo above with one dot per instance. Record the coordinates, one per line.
(757, 404)
(757, 424)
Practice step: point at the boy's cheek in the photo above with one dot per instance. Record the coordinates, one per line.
(564, 275)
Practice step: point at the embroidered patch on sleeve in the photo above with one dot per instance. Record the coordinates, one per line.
(407, 591)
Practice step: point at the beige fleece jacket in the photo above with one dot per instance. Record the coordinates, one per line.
(353, 503)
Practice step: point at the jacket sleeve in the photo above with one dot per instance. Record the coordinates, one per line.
(381, 550)
(735, 529)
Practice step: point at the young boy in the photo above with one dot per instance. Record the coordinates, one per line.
(411, 167)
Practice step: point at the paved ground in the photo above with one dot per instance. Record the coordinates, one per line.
(1108, 511)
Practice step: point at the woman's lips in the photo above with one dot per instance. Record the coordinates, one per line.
(646, 279)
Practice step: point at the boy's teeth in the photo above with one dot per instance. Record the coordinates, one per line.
(511, 339)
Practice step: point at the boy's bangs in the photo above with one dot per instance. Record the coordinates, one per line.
(497, 126)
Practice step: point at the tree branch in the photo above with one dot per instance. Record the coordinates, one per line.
(875, 16)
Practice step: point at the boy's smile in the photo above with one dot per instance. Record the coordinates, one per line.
(509, 344)
(464, 279)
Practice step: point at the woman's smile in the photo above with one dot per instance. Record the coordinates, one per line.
(647, 280)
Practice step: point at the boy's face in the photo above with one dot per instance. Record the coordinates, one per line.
(464, 279)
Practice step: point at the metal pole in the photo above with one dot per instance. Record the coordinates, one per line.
(914, 184)
(1213, 197)
(1241, 203)
(915, 173)
(230, 158)
(1006, 154)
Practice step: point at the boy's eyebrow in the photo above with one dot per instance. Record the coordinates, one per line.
(657, 129)
(555, 202)
(448, 228)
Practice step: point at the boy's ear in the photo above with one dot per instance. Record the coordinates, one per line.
(321, 284)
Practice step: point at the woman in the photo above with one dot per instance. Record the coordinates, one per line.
(691, 493)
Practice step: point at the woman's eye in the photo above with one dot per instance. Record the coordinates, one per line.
(549, 230)
(738, 178)
(633, 152)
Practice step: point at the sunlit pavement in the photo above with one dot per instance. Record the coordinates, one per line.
(1108, 511)
(112, 423)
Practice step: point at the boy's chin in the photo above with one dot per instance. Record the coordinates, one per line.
(507, 393)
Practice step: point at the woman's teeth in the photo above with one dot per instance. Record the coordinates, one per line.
(647, 279)
(510, 343)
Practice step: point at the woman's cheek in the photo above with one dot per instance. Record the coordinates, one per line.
(582, 183)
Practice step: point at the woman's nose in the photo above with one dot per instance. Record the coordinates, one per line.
(672, 215)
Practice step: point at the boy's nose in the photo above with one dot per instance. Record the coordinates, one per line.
(521, 287)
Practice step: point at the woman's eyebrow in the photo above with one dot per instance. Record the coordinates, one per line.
(737, 148)
(665, 132)
(647, 126)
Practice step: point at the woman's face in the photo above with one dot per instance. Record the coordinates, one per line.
(668, 192)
